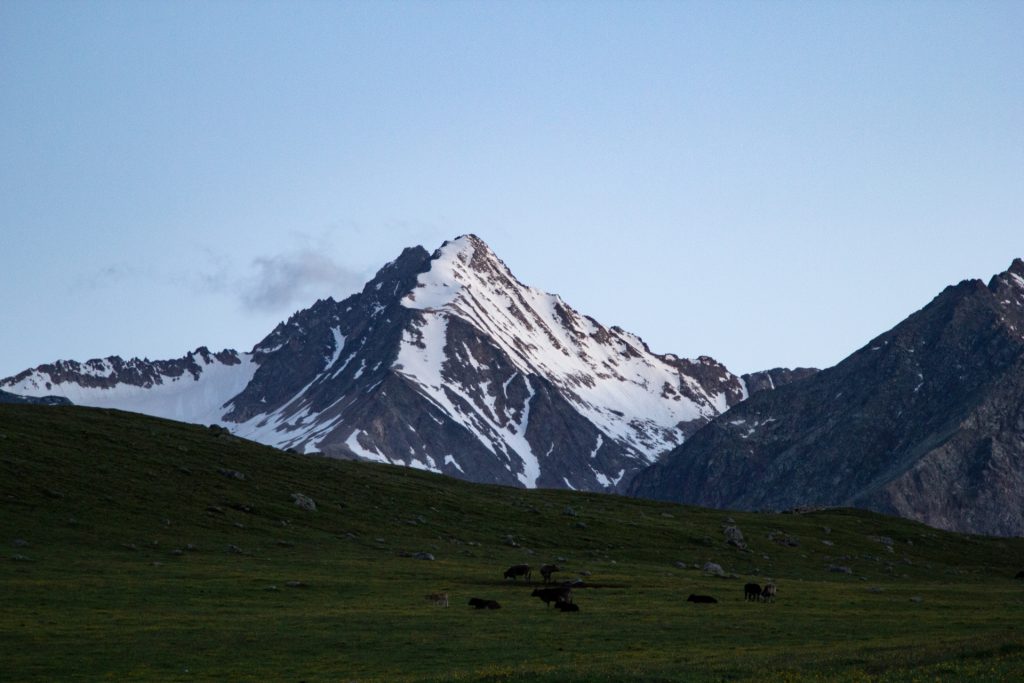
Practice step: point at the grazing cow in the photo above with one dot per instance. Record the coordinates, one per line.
(555, 595)
(481, 603)
(518, 570)
(751, 591)
(440, 599)
(567, 606)
(546, 570)
(701, 598)
(768, 592)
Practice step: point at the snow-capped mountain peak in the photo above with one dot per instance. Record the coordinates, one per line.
(446, 362)
(609, 375)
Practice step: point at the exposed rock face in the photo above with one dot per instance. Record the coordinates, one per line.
(766, 380)
(926, 421)
(445, 362)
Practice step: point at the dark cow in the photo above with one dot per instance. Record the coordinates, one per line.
(751, 591)
(701, 598)
(553, 595)
(480, 603)
(518, 570)
(1020, 574)
(546, 570)
(567, 606)
(768, 592)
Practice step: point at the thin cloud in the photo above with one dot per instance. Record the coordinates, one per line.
(280, 282)
(111, 275)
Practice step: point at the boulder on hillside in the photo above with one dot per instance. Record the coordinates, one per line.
(714, 569)
(304, 502)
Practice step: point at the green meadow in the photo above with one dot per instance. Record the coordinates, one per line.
(133, 548)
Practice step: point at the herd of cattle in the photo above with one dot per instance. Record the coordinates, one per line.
(561, 595)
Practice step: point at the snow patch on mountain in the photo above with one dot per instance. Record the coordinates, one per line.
(185, 397)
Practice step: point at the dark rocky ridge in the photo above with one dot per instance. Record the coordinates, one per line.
(926, 421)
(111, 371)
(7, 397)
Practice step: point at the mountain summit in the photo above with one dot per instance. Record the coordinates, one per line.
(926, 421)
(443, 361)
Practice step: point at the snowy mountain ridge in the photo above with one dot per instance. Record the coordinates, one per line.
(444, 362)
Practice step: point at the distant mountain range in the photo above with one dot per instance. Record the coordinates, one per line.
(444, 362)
(926, 421)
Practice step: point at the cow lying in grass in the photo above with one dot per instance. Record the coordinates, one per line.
(701, 598)
(567, 606)
(561, 594)
(481, 603)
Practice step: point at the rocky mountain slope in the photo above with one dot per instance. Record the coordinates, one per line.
(443, 362)
(926, 421)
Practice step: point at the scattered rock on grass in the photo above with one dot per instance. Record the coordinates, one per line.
(734, 537)
(713, 568)
(423, 556)
(304, 502)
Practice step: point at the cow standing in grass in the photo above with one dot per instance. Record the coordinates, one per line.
(546, 570)
(439, 599)
(518, 570)
(751, 591)
(768, 592)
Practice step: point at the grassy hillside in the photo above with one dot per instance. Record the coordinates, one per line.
(137, 548)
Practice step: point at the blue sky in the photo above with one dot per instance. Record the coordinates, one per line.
(769, 183)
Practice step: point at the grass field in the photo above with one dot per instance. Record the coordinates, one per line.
(131, 549)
